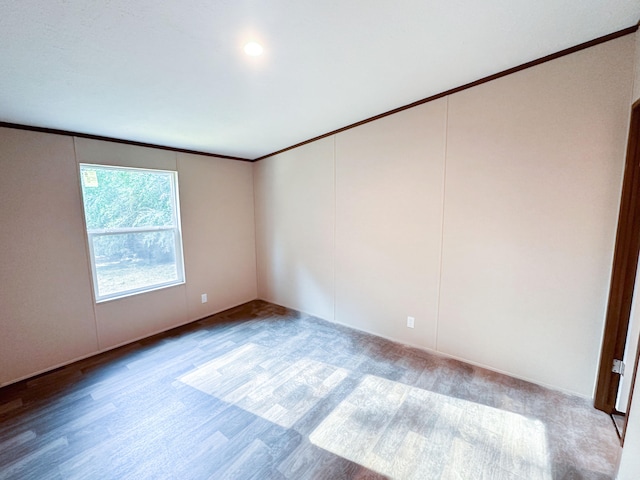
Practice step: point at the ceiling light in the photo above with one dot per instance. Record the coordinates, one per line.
(254, 49)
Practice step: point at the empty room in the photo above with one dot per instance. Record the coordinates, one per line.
(319, 240)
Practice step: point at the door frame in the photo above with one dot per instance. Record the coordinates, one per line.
(633, 385)
(623, 273)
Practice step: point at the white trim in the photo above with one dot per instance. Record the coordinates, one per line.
(138, 291)
(124, 230)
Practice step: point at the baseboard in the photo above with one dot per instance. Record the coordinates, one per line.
(113, 347)
(453, 357)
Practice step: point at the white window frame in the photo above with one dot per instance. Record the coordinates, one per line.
(98, 232)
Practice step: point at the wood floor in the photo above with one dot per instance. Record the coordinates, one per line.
(260, 392)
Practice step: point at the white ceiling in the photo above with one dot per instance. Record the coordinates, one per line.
(173, 72)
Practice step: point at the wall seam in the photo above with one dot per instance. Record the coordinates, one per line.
(94, 305)
(187, 312)
(335, 222)
(255, 227)
(442, 205)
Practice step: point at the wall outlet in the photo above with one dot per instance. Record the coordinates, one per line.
(204, 298)
(410, 322)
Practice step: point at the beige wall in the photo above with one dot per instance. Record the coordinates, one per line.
(389, 181)
(636, 83)
(534, 164)
(46, 306)
(216, 199)
(48, 314)
(630, 460)
(532, 167)
(295, 222)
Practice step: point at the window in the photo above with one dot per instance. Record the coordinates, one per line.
(133, 229)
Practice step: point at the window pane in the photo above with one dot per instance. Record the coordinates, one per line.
(133, 228)
(125, 198)
(131, 261)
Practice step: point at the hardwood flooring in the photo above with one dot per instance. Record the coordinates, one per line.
(261, 392)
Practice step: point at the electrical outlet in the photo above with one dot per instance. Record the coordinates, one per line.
(410, 322)
(204, 298)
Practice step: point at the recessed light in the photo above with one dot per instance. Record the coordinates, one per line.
(254, 49)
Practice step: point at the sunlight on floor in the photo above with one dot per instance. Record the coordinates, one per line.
(389, 427)
(275, 389)
(406, 432)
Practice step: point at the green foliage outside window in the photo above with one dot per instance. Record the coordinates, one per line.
(124, 199)
(132, 228)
